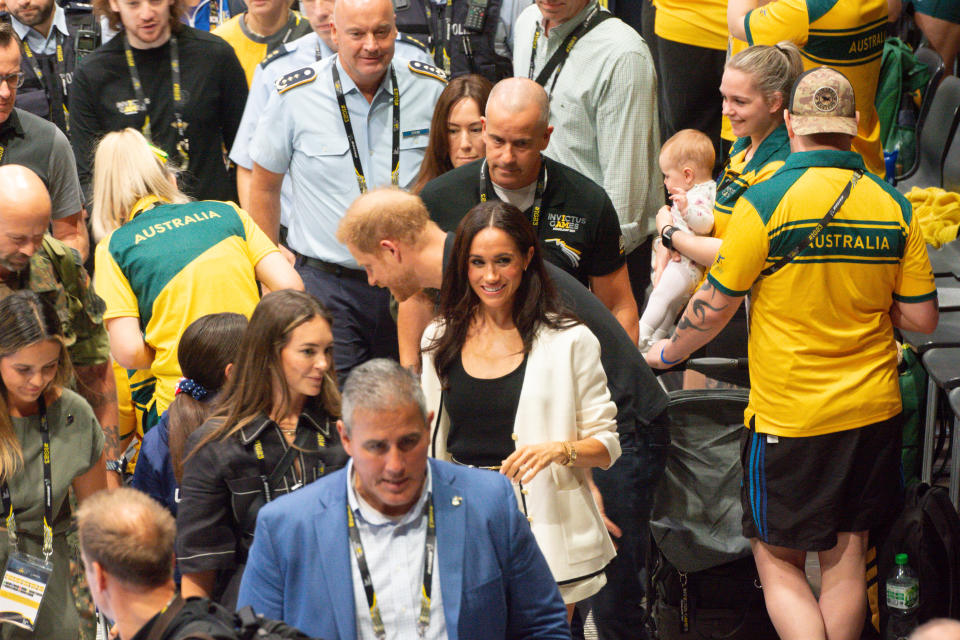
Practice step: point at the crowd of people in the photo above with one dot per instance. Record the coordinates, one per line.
(369, 312)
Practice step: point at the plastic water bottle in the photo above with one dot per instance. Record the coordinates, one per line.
(903, 599)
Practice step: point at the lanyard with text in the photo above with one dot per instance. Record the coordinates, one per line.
(423, 621)
(317, 54)
(395, 156)
(11, 521)
(57, 66)
(183, 144)
(559, 57)
(272, 479)
(441, 36)
(537, 197)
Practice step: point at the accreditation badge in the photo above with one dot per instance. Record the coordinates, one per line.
(24, 583)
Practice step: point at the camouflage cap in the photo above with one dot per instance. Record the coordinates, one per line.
(822, 102)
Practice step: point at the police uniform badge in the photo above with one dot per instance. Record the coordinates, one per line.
(296, 78)
(424, 69)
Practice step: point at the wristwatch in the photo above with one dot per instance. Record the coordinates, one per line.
(666, 236)
(116, 466)
(571, 452)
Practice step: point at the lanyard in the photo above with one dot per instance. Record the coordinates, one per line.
(395, 158)
(423, 621)
(183, 144)
(559, 57)
(442, 36)
(316, 52)
(269, 479)
(11, 521)
(35, 66)
(537, 197)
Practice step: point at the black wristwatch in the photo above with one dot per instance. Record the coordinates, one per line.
(666, 236)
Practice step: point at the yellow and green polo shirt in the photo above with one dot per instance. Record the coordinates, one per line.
(846, 35)
(822, 353)
(739, 174)
(171, 264)
(700, 23)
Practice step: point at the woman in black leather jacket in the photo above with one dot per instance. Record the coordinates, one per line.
(273, 432)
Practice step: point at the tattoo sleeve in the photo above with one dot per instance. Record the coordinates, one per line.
(695, 317)
(97, 386)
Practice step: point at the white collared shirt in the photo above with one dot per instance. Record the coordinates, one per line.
(394, 550)
(40, 44)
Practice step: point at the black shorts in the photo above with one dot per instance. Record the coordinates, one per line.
(800, 492)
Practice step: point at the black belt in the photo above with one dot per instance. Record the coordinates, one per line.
(335, 269)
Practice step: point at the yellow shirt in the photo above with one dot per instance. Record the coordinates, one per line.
(701, 23)
(846, 35)
(250, 48)
(172, 264)
(822, 353)
(734, 47)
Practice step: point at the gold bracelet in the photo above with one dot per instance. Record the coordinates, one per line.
(566, 453)
(571, 455)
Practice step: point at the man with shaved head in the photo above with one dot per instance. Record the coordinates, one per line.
(573, 217)
(337, 127)
(30, 258)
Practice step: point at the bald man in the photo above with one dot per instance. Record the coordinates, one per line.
(333, 155)
(32, 259)
(573, 216)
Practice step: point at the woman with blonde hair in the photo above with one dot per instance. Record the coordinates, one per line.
(50, 441)
(274, 431)
(164, 261)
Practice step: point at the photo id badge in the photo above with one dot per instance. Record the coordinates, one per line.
(22, 589)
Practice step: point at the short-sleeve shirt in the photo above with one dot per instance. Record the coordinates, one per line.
(174, 263)
(822, 352)
(40, 146)
(578, 229)
(700, 23)
(56, 274)
(251, 48)
(846, 35)
(739, 174)
(301, 131)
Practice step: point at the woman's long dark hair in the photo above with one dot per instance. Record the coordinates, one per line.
(535, 302)
(436, 161)
(258, 371)
(207, 346)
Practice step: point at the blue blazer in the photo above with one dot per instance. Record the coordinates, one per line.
(494, 581)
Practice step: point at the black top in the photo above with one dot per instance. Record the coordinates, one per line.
(633, 388)
(579, 229)
(482, 414)
(214, 88)
(222, 490)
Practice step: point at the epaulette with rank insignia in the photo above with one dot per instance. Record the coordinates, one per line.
(419, 44)
(279, 52)
(296, 78)
(428, 70)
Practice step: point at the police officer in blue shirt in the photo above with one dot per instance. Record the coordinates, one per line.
(357, 120)
(281, 61)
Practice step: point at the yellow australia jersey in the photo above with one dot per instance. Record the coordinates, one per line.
(822, 353)
(173, 263)
(846, 35)
(251, 48)
(700, 23)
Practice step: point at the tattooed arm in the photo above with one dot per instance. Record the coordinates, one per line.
(708, 311)
(97, 386)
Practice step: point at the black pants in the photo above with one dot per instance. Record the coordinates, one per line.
(628, 488)
(638, 268)
(689, 82)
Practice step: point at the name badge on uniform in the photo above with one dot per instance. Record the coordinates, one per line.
(24, 583)
(415, 132)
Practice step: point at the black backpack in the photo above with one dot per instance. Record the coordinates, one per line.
(928, 531)
(202, 619)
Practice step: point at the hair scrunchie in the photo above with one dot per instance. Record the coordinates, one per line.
(196, 390)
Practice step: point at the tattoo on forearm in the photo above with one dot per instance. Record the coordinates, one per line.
(111, 435)
(696, 315)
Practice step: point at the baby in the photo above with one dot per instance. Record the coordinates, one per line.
(686, 160)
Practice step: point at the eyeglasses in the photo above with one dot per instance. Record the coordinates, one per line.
(13, 80)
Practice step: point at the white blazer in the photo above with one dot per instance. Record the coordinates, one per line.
(564, 397)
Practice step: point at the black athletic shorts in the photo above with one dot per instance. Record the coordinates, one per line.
(800, 492)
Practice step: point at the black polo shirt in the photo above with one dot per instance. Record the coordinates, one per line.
(633, 388)
(579, 229)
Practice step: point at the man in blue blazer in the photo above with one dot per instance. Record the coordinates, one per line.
(344, 557)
